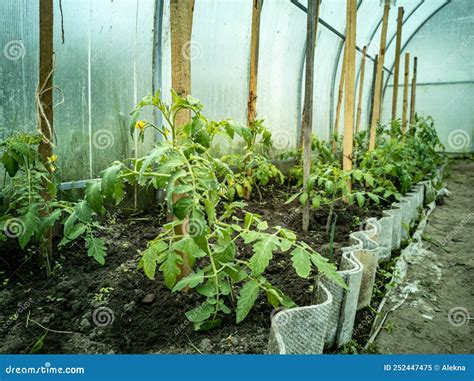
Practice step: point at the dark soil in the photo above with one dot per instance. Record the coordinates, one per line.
(64, 307)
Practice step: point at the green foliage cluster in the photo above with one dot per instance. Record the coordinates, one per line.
(196, 184)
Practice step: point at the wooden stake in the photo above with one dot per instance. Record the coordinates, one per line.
(349, 102)
(254, 49)
(397, 63)
(181, 21)
(45, 94)
(339, 102)
(361, 89)
(378, 78)
(405, 93)
(307, 118)
(413, 96)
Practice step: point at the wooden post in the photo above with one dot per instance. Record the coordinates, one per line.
(413, 96)
(397, 63)
(372, 88)
(351, 27)
(378, 78)
(361, 89)
(339, 101)
(181, 20)
(45, 107)
(307, 117)
(254, 49)
(405, 93)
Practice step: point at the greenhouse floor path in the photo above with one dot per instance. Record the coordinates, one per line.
(438, 314)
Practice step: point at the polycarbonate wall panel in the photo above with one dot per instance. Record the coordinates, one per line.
(19, 23)
(282, 48)
(220, 54)
(103, 69)
(444, 46)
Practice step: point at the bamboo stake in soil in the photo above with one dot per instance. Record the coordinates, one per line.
(378, 78)
(307, 118)
(181, 20)
(396, 72)
(361, 89)
(351, 28)
(405, 93)
(45, 94)
(339, 103)
(254, 50)
(413, 96)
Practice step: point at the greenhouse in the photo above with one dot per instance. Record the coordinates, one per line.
(236, 177)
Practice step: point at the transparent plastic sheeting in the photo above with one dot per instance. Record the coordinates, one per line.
(106, 64)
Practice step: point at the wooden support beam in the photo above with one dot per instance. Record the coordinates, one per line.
(349, 101)
(378, 78)
(361, 89)
(396, 72)
(405, 93)
(45, 108)
(181, 22)
(254, 50)
(307, 117)
(413, 96)
(340, 94)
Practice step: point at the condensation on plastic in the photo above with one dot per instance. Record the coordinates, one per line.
(330, 320)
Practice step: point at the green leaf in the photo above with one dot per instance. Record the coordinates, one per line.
(76, 231)
(358, 174)
(155, 155)
(329, 186)
(49, 221)
(292, 198)
(191, 281)
(207, 289)
(189, 246)
(369, 179)
(96, 249)
(374, 198)
(303, 198)
(10, 164)
(360, 199)
(263, 253)
(301, 262)
(285, 244)
(247, 297)
(327, 268)
(150, 257)
(316, 201)
(170, 268)
(94, 197)
(200, 313)
(109, 180)
(31, 222)
(83, 211)
(182, 208)
(250, 236)
(224, 249)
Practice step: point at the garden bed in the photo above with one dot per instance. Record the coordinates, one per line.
(67, 301)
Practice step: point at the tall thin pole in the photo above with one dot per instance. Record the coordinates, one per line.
(45, 105)
(339, 102)
(349, 102)
(307, 118)
(378, 78)
(405, 93)
(361, 89)
(254, 50)
(397, 63)
(413, 95)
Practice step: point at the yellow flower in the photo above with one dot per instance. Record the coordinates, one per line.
(166, 132)
(52, 159)
(140, 125)
(52, 168)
